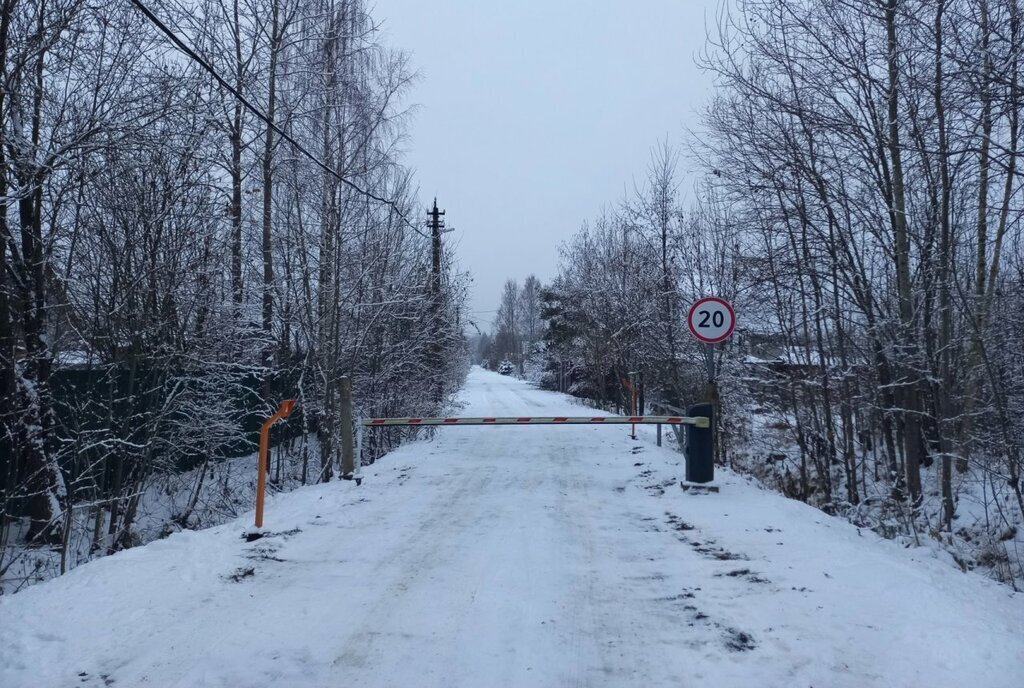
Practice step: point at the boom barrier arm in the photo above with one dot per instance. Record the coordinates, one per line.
(696, 421)
(699, 437)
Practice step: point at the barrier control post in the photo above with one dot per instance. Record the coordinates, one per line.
(700, 449)
(283, 411)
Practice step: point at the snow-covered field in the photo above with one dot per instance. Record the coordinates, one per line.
(519, 556)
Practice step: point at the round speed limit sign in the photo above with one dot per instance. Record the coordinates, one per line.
(711, 319)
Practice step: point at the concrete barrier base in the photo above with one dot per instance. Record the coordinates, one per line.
(698, 488)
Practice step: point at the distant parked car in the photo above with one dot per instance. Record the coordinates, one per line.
(506, 368)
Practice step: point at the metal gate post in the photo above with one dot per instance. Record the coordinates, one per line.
(359, 445)
(263, 459)
(347, 453)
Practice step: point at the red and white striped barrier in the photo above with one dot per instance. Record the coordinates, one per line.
(697, 421)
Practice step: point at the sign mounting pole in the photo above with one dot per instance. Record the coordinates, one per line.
(711, 320)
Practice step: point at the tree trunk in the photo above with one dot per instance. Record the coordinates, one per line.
(908, 375)
(268, 197)
(236, 170)
(8, 458)
(944, 404)
(46, 490)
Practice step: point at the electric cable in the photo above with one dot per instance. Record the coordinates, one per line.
(195, 57)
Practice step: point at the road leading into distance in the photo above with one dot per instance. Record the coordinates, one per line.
(519, 556)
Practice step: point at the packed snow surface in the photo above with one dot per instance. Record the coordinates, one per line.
(519, 556)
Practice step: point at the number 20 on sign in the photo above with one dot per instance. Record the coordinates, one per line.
(711, 319)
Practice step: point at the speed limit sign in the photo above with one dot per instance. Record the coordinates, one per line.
(711, 319)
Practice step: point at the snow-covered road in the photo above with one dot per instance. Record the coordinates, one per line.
(519, 556)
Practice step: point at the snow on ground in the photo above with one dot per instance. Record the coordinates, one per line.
(226, 489)
(519, 556)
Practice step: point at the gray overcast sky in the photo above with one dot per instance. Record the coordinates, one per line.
(535, 113)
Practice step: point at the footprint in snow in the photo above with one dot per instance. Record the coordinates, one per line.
(733, 638)
(746, 574)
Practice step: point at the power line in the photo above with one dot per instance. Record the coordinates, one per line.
(183, 47)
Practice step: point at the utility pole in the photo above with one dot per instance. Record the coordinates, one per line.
(436, 224)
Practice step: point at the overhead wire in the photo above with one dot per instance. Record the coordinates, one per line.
(195, 57)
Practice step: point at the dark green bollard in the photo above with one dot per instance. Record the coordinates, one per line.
(700, 448)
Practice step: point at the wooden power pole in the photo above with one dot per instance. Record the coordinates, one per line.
(436, 225)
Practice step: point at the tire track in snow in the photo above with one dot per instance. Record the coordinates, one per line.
(419, 554)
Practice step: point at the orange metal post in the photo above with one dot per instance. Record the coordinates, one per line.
(283, 411)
